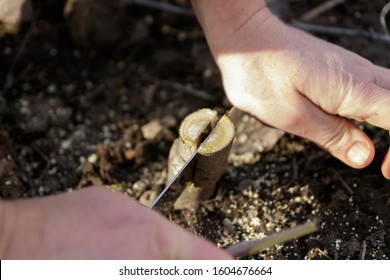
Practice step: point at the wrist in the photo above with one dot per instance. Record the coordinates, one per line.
(225, 23)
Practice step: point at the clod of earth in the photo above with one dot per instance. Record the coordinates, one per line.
(95, 24)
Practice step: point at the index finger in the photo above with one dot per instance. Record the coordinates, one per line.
(370, 103)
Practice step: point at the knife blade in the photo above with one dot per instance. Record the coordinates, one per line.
(234, 114)
(177, 175)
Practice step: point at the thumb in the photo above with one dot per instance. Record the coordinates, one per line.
(202, 249)
(177, 243)
(347, 142)
(335, 134)
(386, 165)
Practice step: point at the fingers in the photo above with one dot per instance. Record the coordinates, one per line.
(386, 165)
(335, 134)
(176, 243)
(369, 103)
(382, 77)
(200, 249)
(146, 234)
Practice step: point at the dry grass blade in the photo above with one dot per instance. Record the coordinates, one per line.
(363, 250)
(340, 31)
(324, 7)
(382, 17)
(247, 248)
(161, 6)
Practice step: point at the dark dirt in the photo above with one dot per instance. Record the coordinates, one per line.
(73, 116)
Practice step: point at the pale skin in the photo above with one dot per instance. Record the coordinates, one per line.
(269, 70)
(94, 223)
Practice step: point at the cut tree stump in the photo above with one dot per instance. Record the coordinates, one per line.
(200, 178)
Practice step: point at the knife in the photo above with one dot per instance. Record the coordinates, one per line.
(234, 114)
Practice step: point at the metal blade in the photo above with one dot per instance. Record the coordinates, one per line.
(170, 183)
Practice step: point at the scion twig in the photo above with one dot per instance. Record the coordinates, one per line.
(247, 248)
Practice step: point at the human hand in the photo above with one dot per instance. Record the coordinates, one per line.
(95, 223)
(303, 85)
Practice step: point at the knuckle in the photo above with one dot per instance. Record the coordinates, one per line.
(361, 96)
(334, 139)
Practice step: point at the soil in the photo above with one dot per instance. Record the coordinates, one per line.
(74, 116)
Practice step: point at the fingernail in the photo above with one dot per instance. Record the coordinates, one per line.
(358, 153)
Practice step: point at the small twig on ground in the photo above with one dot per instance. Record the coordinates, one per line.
(320, 9)
(324, 254)
(247, 248)
(295, 172)
(340, 31)
(187, 88)
(183, 88)
(300, 25)
(363, 248)
(317, 252)
(382, 17)
(9, 77)
(343, 182)
(162, 6)
(45, 158)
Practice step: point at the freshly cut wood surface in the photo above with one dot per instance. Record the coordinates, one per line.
(196, 127)
(221, 136)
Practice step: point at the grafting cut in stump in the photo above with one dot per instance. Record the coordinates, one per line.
(200, 178)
